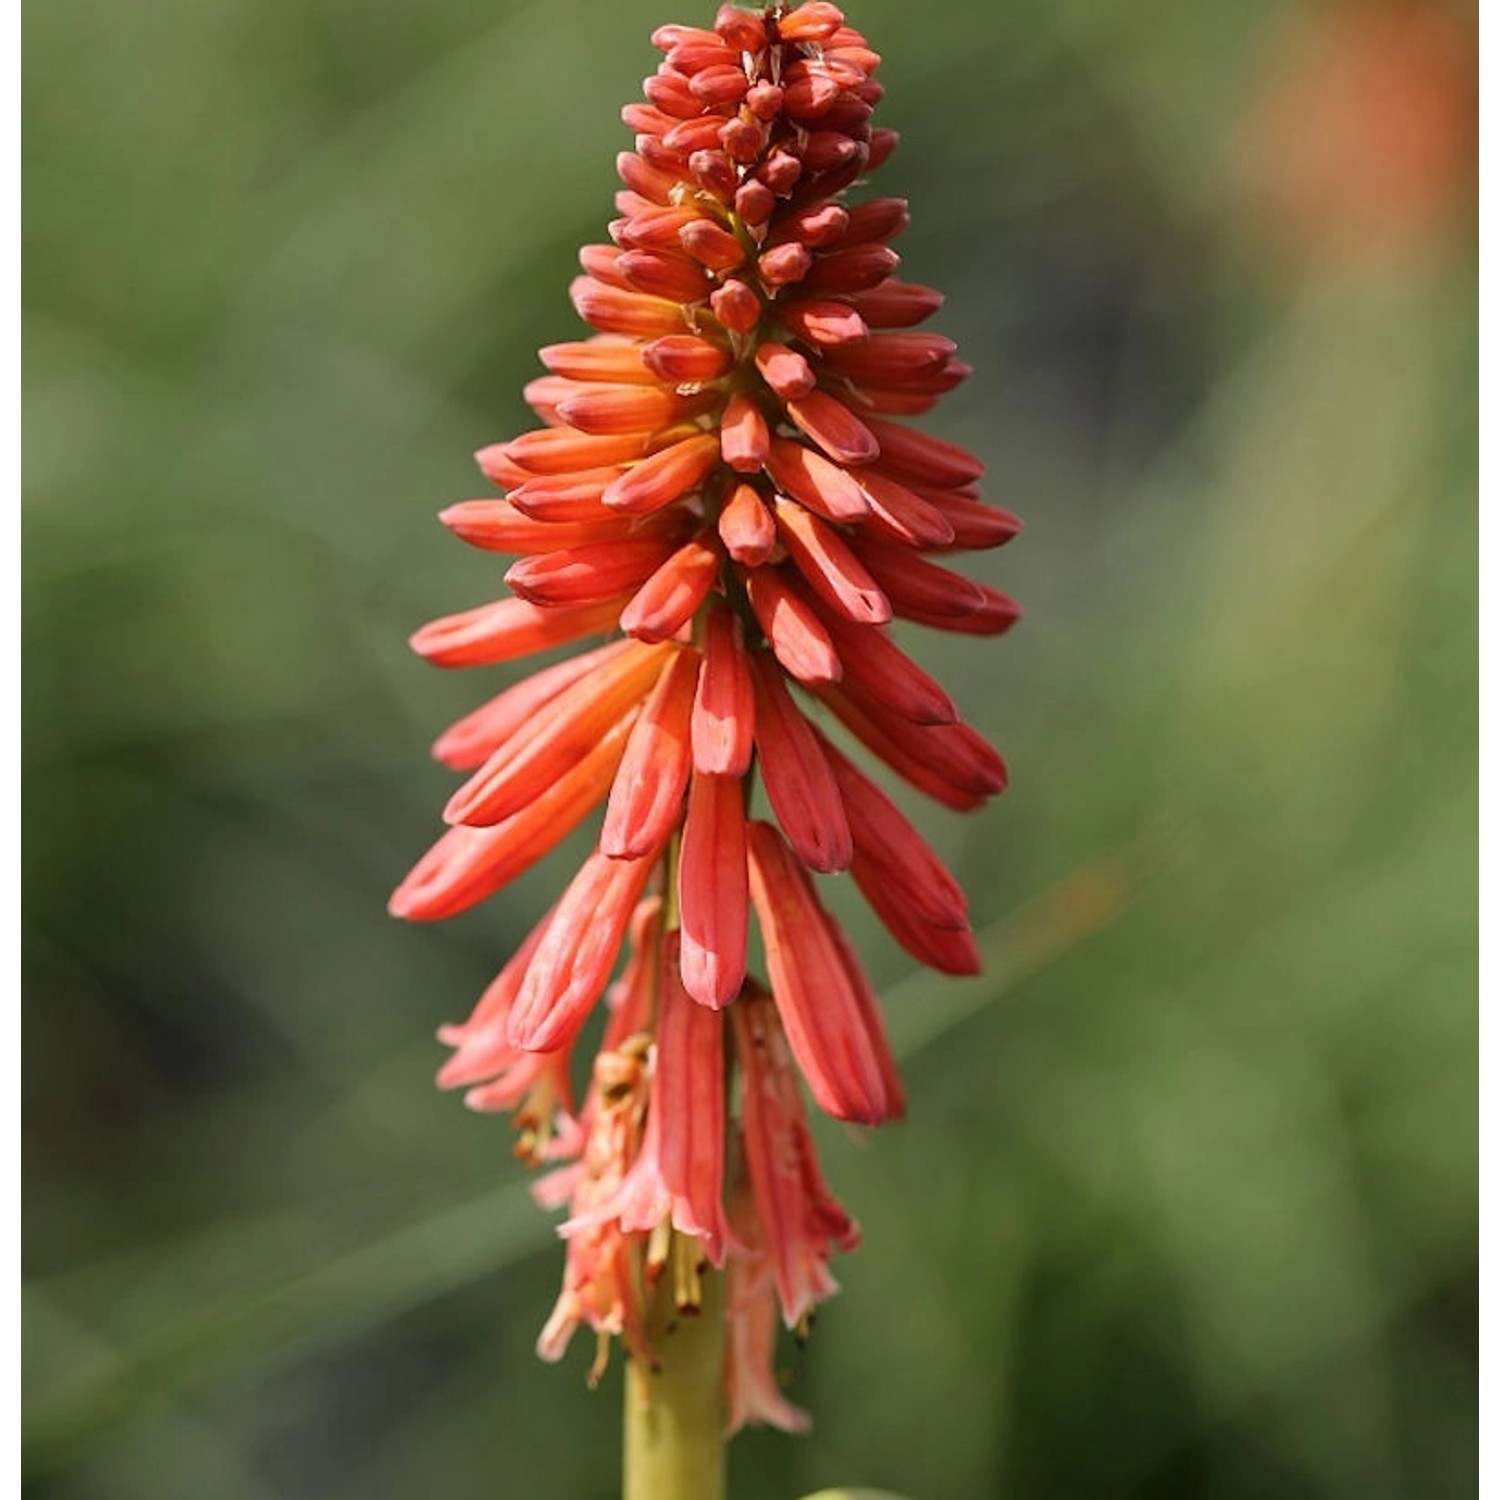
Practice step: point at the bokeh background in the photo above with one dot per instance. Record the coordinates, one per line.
(1186, 1202)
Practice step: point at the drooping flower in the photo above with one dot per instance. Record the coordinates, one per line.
(799, 1222)
(725, 487)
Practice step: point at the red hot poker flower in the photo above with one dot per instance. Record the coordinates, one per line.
(726, 486)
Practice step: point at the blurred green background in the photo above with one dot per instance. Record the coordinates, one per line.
(1186, 1201)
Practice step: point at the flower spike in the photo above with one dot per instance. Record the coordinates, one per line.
(727, 489)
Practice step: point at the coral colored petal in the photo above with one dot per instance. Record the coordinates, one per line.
(574, 959)
(874, 1022)
(908, 454)
(975, 525)
(949, 950)
(501, 526)
(632, 998)
(754, 202)
(608, 409)
(712, 891)
(507, 629)
(815, 21)
(823, 487)
(645, 801)
(685, 358)
(560, 450)
(829, 325)
(742, 30)
(612, 310)
(499, 468)
(787, 373)
(577, 576)
(784, 265)
(557, 738)
(831, 568)
(744, 438)
(665, 476)
(752, 1391)
(478, 1041)
(897, 304)
(475, 737)
(900, 515)
(919, 589)
(798, 779)
(876, 219)
(951, 762)
(816, 225)
(717, 248)
(746, 527)
(468, 864)
(724, 708)
(815, 995)
(675, 277)
(855, 270)
(688, 1095)
(670, 597)
(895, 852)
(793, 1223)
(878, 667)
(654, 228)
(737, 306)
(886, 358)
(799, 639)
(834, 428)
(996, 614)
(598, 359)
(560, 498)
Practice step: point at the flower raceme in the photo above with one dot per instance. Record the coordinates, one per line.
(725, 487)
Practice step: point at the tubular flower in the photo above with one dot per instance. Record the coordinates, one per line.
(725, 488)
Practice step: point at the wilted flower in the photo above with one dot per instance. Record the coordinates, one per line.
(723, 486)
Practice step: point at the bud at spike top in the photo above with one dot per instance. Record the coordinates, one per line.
(725, 490)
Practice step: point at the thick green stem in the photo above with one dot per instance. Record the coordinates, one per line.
(674, 1416)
